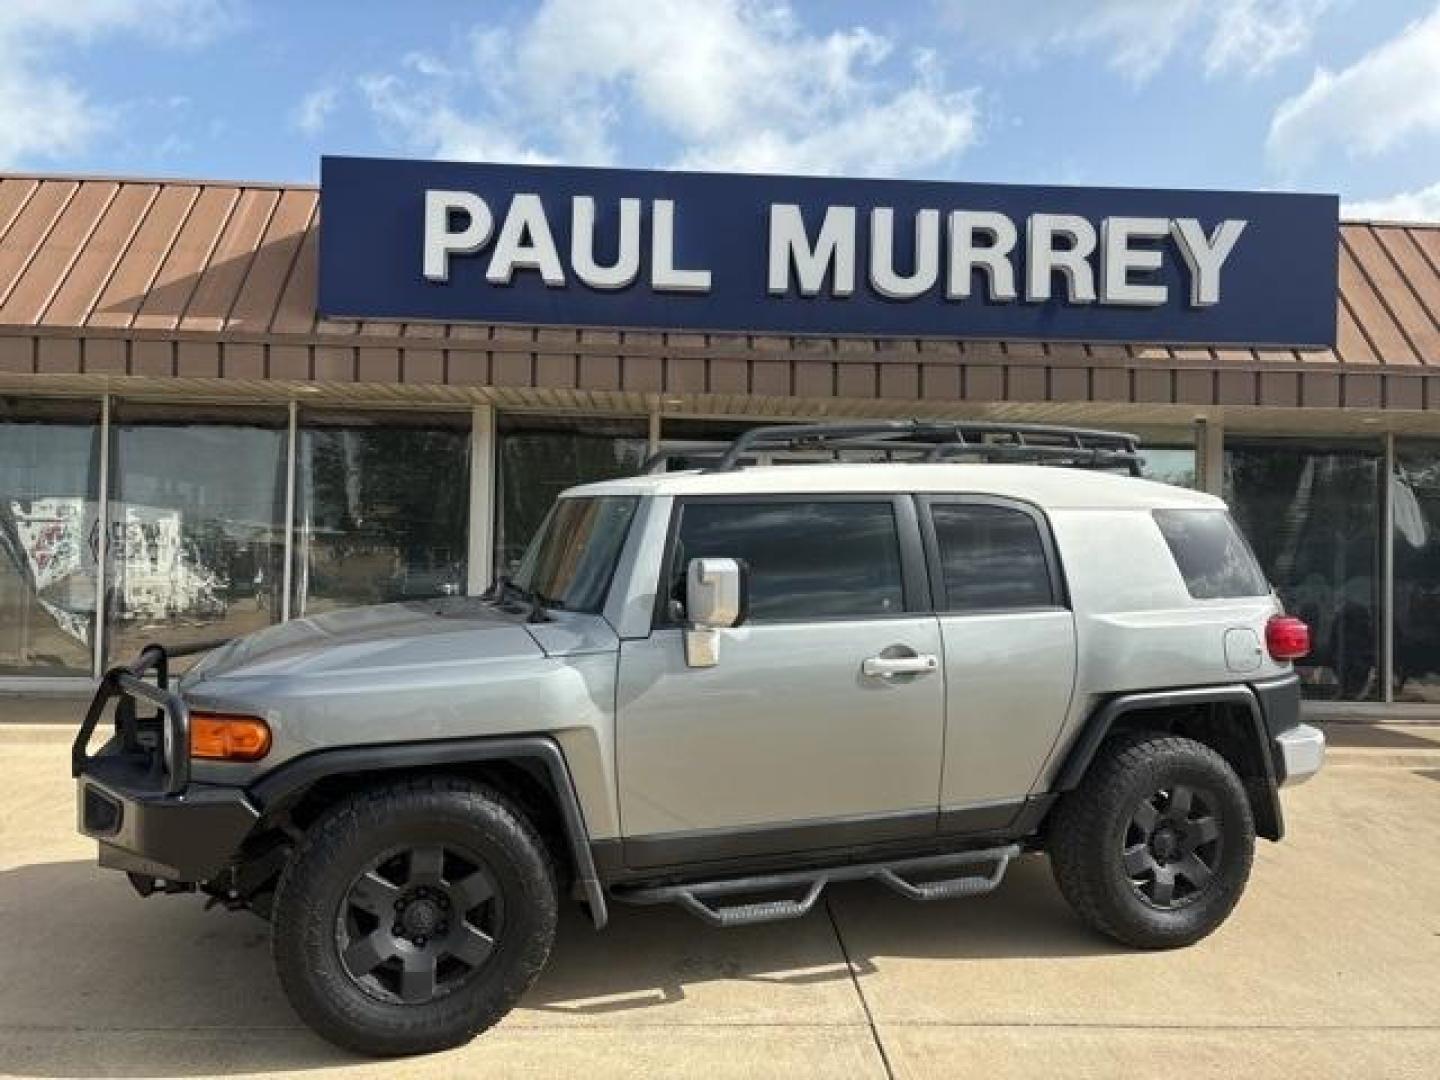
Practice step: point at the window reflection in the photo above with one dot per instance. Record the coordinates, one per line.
(1312, 514)
(570, 564)
(1169, 465)
(807, 560)
(382, 508)
(1415, 507)
(49, 474)
(540, 456)
(991, 557)
(197, 534)
(1212, 556)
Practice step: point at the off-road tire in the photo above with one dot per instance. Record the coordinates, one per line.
(1091, 826)
(338, 847)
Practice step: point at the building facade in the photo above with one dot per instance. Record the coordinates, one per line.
(189, 450)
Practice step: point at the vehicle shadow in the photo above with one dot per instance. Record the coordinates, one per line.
(99, 983)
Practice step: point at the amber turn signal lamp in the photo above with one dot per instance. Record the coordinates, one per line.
(216, 737)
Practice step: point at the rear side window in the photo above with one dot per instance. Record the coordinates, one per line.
(807, 560)
(991, 558)
(1213, 557)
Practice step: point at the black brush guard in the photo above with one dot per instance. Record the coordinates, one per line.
(153, 747)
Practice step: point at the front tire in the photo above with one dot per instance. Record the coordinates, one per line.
(1155, 846)
(413, 916)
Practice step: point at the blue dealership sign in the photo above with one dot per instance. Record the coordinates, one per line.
(416, 240)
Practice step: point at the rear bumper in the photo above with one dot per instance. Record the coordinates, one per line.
(1297, 751)
(190, 836)
(1300, 752)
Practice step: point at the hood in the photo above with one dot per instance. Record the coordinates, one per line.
(370, 639)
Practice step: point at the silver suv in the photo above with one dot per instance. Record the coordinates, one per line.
(725, 688)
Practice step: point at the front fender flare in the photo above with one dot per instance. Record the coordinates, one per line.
(281, 788)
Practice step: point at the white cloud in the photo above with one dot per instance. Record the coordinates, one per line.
(886, 139)
(1420, 205)
(314, 109)
(43, 113)
(1138, 37)
(1389, 94)
(429, 123)
(720, 84)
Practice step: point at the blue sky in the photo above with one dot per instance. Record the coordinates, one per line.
(1322, 95)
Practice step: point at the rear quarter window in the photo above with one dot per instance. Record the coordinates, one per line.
(1212, 556)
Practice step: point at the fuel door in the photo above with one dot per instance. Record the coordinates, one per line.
(1243, 651)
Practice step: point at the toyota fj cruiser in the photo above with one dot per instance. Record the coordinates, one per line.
(725, 688)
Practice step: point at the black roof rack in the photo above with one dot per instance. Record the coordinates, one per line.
(923, 440)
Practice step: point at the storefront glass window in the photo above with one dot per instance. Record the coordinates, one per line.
(1169, 464)
(1415, 507)
(1312, 514)
(49, 476)
(382, 506)
(539, 457)
(197, 532)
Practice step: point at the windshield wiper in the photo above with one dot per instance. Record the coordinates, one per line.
(505, 584)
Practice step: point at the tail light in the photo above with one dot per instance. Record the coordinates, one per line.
(218, 737)
(1287, 638)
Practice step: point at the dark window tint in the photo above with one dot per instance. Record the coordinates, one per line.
(573, 556)
(991, 557)
(807, 560)
(1213, 558)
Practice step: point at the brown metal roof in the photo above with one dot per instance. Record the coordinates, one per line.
(196, 279)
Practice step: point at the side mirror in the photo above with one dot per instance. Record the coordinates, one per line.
(715, 595)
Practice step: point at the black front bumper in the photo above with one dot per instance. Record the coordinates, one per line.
(135, 796)
(190, 836)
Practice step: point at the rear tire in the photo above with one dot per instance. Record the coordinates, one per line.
(413, 916)
(1155, 846)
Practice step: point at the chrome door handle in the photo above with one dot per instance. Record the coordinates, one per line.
(883, 667)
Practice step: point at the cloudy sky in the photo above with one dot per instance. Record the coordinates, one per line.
(1321, 95)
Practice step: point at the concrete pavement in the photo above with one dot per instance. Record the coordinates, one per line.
(1330, 967)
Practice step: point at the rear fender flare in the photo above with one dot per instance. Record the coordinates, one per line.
(1263, 789)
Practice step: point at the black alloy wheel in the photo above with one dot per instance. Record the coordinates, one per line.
(1173, 846)
(413, 915)
(419, 923)
(1155, 845)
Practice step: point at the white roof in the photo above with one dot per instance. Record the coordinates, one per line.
(1044, 485)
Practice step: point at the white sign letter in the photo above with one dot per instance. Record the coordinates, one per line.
(993, 256)
(1118, 259)
(626, 267)
(440, 242)
(1073, 261)
(1205, 255)
(525, 243)
(663, 274)
(834, 250)
(883, 277)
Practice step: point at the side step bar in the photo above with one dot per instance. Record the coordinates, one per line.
(693, 896)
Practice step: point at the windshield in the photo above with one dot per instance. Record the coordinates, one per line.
(569, 563)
